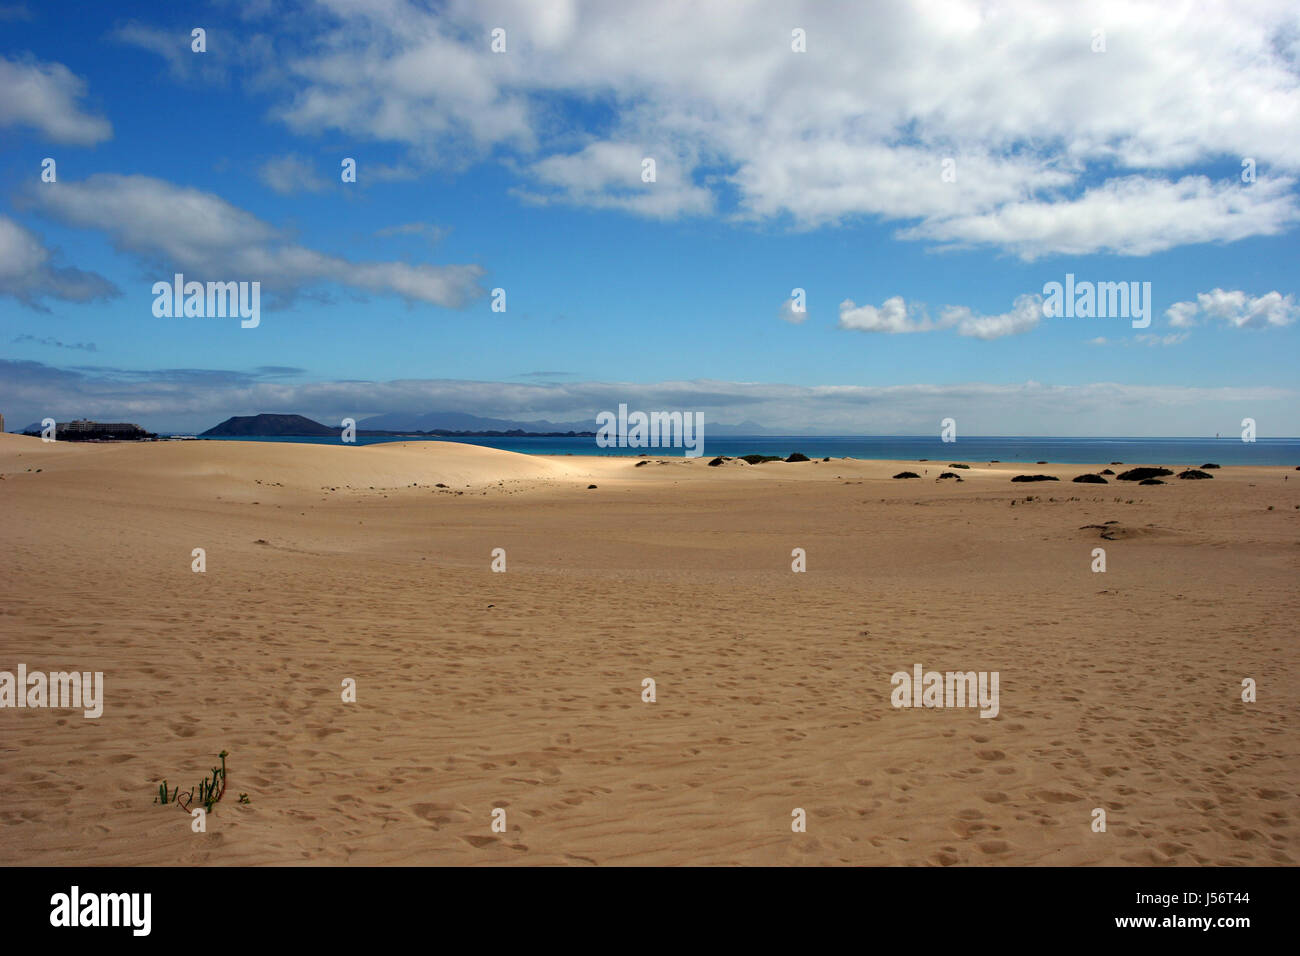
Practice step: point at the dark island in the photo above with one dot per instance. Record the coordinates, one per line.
(297, 426)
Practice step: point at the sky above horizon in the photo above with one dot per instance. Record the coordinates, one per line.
(921, 171)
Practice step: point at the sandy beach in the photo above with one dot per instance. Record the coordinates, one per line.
(522, 690)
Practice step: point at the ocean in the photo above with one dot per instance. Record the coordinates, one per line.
(1141, 451)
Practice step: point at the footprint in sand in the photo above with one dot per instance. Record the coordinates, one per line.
(1057, 796)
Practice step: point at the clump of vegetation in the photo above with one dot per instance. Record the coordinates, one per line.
(1150, 481)
(948, 474)
(1107, 471)
(209, 791)
(589, 487)
(955, 465)
(1210, 465)
(1141, 474)
(1035, 478)
(759, 459)
(1193, 474)
(907, 474)
(1091, 479)
(716, 462)
(797, 456)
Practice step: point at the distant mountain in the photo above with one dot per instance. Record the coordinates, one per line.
(456, 423)
(745, 429)
(269, 425)
(463, 422)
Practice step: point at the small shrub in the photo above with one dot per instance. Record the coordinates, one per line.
(1140, 474)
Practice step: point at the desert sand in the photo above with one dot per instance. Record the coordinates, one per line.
(523, 690)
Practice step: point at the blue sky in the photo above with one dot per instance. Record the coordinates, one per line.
(776, 169)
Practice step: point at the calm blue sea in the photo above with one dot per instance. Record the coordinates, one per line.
(1169, 451)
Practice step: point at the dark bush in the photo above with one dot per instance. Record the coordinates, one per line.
(796, 456)
(1091, 480)
(1193, 473)
(1210, 465)
(716, 462)
(759, 459)
(907, 474)
(1139, 474)
(1150, 481)
(1035, 478)
(958, 466)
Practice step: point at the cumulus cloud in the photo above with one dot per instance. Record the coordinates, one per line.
(1024, 315)
(1237, 309)
(787, 313)
(291, 174)
(1135, 215)
(46, 97)
(226, 51)
(208, 238)
(28, 271)
(895, 316)
(1056, 149)
(609, 176)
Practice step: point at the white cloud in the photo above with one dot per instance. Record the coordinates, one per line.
(1057, 149)
(46, 96)
(208, 238)
(1173, 338)
(290, 174)
(787, 313)
(895, 316)
(1237, 309)
(1133, 216)
(28, 273)
(607, 175)
(1024, 315)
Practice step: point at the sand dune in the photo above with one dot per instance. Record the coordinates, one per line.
(523, 690)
